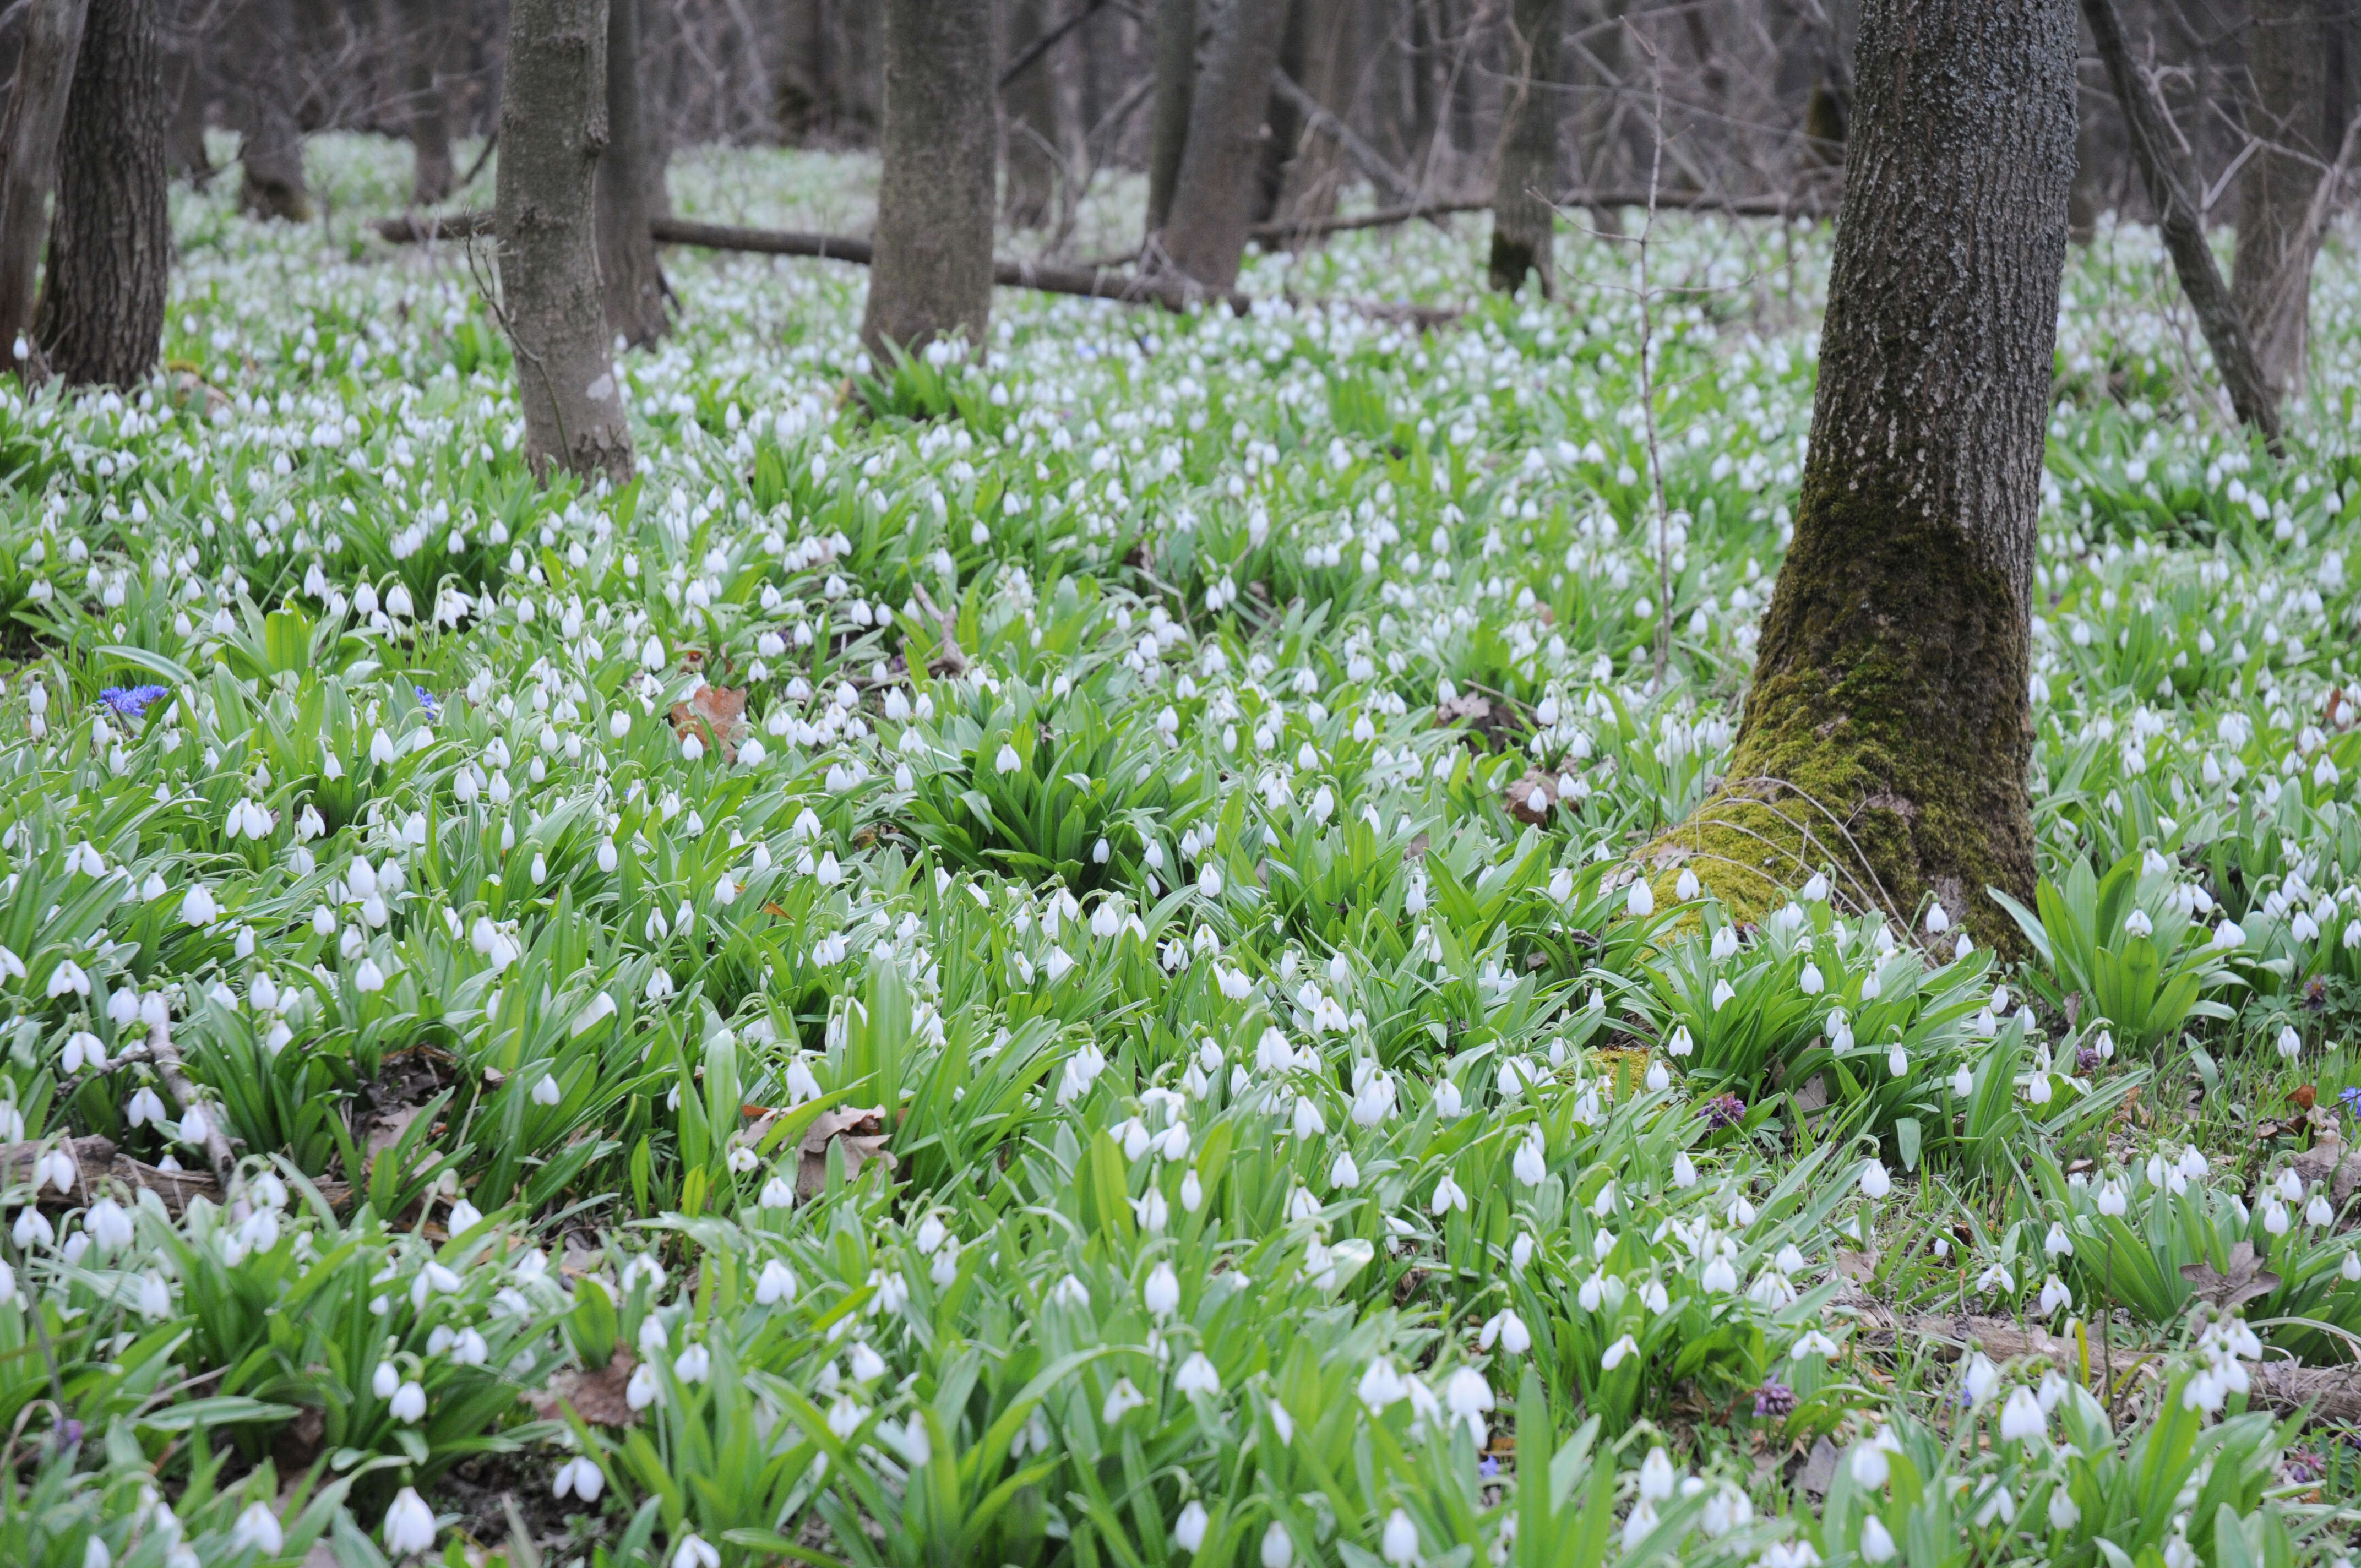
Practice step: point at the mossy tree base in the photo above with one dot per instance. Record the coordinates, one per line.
(1887, 733)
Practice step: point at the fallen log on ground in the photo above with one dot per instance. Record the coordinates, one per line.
(2330, 1393)
(1175, 294)
(1802, 204)
(100, 1169)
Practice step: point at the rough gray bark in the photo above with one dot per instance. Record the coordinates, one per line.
(2184, 226)
(2270, 274)
(1890, 684)
(425, 43)
(1334, 39)
(29, 131)
(1205, 235)
(553, 129)
(1029, 175)
(1523, 210)
(628, 274)
(270, 143)
(1176, 87)
(184, 93)
(102, 309)
(932, 277)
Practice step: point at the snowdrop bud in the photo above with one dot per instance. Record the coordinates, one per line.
(1399, 1543)
(1876, 1541)
(1189, 1530)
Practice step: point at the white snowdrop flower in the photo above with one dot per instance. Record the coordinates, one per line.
(198, 908)
(1197, 1376)
(578, 1477)
(775, 1285)
(1189, 1528)
(2064, 1512)
(1616, 1354)
(1874, 1182)
(2318, 1212)
(1641, 901)
(409, 1403)
(1447, 1197)
(1121, 1400)
(1876, 1541)
(409, 1524)
(2021, 1418)
(1982, 1378)
(386, 1381)
(1399, 1544)
(1007, 760)
(694, 1552)
(1448, 1103)
(694, 1364)
(1161, 1295)
(2228, 936)
(368, 977)
(2055, 1296)
(1278, 1547)
(1530, 1164)
(1810, 982)
(1656, 1477)
(2274, 1217)
(1343, 1172)
(258, 1529)
(2290, 1044)
(2058, 1243)
(2111, 1201)
(1718, 1275)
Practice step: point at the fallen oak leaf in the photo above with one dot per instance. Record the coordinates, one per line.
(601, 1396)
(716, 716)
(860, 1132)
(2245, 1279)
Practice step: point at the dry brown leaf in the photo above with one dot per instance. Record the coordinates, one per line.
(1530, 797)
(716, 716)
(2246, 1278)
(862, 1134)
(597, 1395)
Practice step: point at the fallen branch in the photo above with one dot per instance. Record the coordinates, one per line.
(99, 1165)
(1807, 203)
(1316, 115)
(2330, 1393)
(166, 1057)
(1179, 295)
(1047, 41)
(949, 660)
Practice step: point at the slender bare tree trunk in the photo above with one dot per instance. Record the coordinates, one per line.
(932, 277)
(1176, 87)
(423, 46)
(659, 28)
(1283, 120)
(102, 310)
(1890, 689)
(1205, 235)
(2270, 275)
(2184, 227)
(1029, 177)
(1525, 191)
(1335, 43)
(628, 270)
(29, 132)
(553, 129)
(185, 92)
(270, 143)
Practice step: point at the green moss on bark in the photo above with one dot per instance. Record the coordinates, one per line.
(1886, 735)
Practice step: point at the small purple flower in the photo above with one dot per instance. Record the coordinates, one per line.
(1774, 1401)
(1723, 1111)
(2352, 1098)
(2086, 1060)
(132, 702)
(429, 701)
(1487, 1466)
(69, 1432)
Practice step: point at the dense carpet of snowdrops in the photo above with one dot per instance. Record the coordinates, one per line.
(1141, 1045)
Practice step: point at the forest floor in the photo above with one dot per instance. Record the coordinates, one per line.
(1035, 961)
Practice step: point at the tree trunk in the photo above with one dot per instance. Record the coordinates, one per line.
(659, 26)
(29, 133)
(1287, 122)
(1334, 45)
(2270, 275)
(184, 93)
(1889, 693)
(553, 130)
(933, 275)
(628, 271)
(1176, 88)
(1525, 190)
(1029, 177)
(1205, 235)
(271, 145)
(2184, 226)
(426, 107)
(101, 310)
